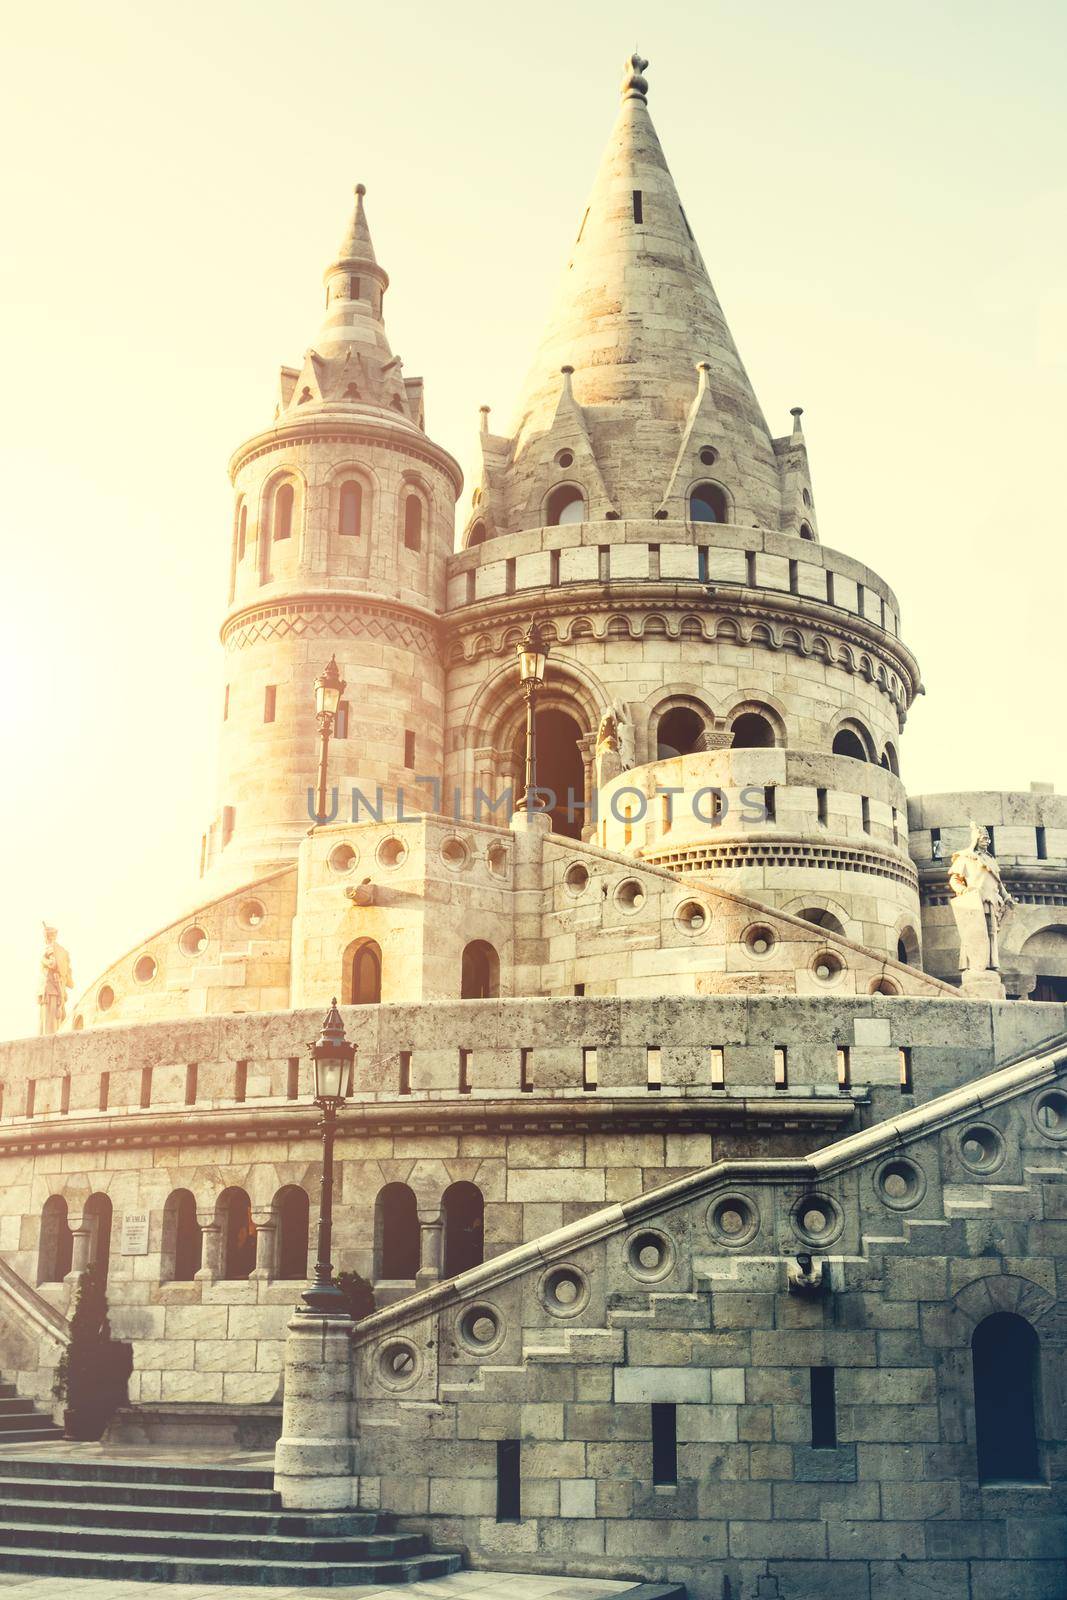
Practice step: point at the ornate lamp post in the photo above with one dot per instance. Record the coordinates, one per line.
(532, 651)
(329, 687)
(332, 1056)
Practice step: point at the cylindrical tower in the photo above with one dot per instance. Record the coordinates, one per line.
(343, 525)
(703, 638)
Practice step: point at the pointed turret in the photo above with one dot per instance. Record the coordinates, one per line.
(351, 362)
(638, 321)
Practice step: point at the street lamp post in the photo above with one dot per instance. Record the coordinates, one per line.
(329, 687)
(532, 651)
(332, 1058)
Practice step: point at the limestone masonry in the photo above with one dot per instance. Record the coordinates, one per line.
(712, 1188)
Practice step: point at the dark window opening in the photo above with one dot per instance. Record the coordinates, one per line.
(823, 1409)
(1042, 845)
(1006, 1357)
(270, 702)
(409, 747)
(55, 1251)
(664, 1442)
(480, 973)
(906, 1083)
(508, 1480)
(105, 1090)
(240, 1080)
(751, 731)
(351, 512)
(405, 1072)
(848, 743)
(353, 288)
(589, 1068)
(565, 504)
(702, 563)
(292, 1078)
(396, 1232)
(183, 1242)
(64, 1095)
(362, 967)
(191, 1075)
(844, 1067)
(238, 1235)
(781, 1067)
(708, 503)
(98, 1213)
(680, 733)
(463, 1210)
(638, 206)
(822, 806)
(413, 523)
(769, 803)
(291, 1218)
(146, 1087)
(283, 511)
(464, 1071)
(526, 1071)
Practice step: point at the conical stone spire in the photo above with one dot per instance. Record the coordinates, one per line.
(635, 317)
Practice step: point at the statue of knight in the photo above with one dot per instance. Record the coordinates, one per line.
(56, 979)
(980, 904)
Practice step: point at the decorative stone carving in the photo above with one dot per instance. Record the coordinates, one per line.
(361, 894)
(56, 979)
(979, 906)
(807, 1277)
(615, 746)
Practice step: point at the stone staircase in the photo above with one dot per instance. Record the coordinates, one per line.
(21, 1422)
(65, 1516)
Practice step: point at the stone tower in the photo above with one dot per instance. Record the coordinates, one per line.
(343, 523)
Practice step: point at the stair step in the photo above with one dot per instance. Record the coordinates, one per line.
(179, 1569)
(137, 1472)
(184, 1519)
(37, 1435)
(159, 1495)
(191, 1545)
(15, 1405)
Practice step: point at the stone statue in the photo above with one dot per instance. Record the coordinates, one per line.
(980, 904)
(56, 979)
(609, 762)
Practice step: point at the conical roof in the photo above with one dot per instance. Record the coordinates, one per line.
(635, 316)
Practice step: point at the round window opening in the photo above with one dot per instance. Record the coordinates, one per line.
(630, 896)
(565, 459)
(709, 456)
(106, 998)
(342, 858)
(760, 940)
(193, 942)
(564, 1291)
(692, 917)
(252, 914)
(392, 852)
(398, 1364)
(900, 1183)
(145, 969)
(733, 1219)
(981, 1148)
(649, 1254)
(480, 1327)
(817, 1219)
(1050, 1114)
(828, 966)
(454, 853)
(576, 878)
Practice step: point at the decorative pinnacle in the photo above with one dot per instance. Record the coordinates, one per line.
(634, 83)
(796, 412)
(361, 189)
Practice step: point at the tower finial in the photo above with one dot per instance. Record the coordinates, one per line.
(796, 412)
(634, 83)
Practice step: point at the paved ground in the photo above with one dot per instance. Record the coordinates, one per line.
(460, 1586)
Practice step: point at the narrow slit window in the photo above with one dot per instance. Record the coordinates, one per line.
(292, 1078)
(794, 577)
(270, 702)
(509, 575)
(654, 1067)
(350, 513)
(992, 839)
(64, 1095)
(844, 1068)
(639, 208)
(717, 1067)
(283, 512)
(508, 1480)
(240, 1080)
(935, 844)
(31, 1095)
(226, 703)
(341, 719)
(823, 1409)
(830, 600)
(702, 562)
(653, 560)
(769, 806)
(822, 801)
(553, 569)
(405, 1072)
(579, 990)
(105, 1090)
(526, 1071)
(865, 813)
(860, 598)
(1042, 845)
(664, 1442)
(191, 1076)
(604, 563)
(750, 568)
(472, 584)
(781, 1067)
(409, 747)
(464, 1072)
(589, 1067)
(146, 1087)
(353, 288)
(906, 1084)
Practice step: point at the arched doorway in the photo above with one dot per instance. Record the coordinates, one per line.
(559, 767)
(291, 1212)
(463, 1209)
(1005, 1355)
(362, 973)
(97, 1214)
(396, 1233)
(480, 976)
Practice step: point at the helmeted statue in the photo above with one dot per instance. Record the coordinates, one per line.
(980, 904)
(56, 979)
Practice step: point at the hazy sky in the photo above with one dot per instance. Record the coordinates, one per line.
(878, 192)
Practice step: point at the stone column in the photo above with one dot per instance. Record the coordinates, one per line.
(211, 1254)
(266, 1266)
(315, 1459)
(587, 746)
(81, 1255)
(431, 1233)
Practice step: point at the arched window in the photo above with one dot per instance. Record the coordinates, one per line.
(413, 522)
(97, 1213)
(351, 512)
(242, 530)
(362, 973)
(565, 504)
(291, 1211)
(481, 972)
(463, 1209)
(234, 1212)
(821, 919)
(1006, 1357)
(889, 759)
(805, 531)
(908, 947)
(752, 731)
(55, 1250)
(477, 535)
(708, 503)
(396, 1232)
(283, 511)
(681, 731)
(182, 1240)
(848, 743)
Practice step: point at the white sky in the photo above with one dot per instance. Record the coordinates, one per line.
(879, 195)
